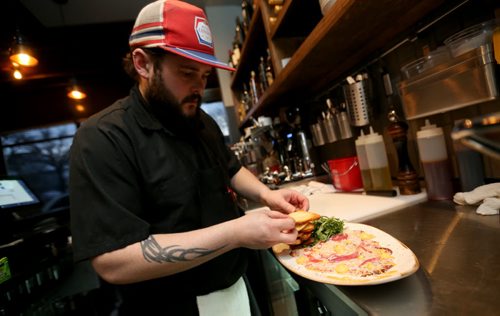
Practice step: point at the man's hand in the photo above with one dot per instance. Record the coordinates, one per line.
(285, 201)
(263, 229)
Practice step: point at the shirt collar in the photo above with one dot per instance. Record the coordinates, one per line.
(142, 112)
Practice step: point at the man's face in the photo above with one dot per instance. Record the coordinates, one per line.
(180, 83)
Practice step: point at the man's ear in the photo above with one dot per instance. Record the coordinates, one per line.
(142, 63)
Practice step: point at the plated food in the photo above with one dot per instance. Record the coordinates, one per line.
(358, 255)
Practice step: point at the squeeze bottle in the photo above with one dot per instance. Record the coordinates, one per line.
(378, 163)
(363, 161)
(434, 158)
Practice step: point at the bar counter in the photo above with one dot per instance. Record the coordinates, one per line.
(459, 255)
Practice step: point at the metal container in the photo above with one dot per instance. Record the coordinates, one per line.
(465, 80)
(481, 133)
(317, 134)
(330, 128)
(358, 103)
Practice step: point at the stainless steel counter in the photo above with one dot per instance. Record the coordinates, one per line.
(459, 274)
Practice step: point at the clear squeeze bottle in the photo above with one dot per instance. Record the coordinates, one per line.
(363, 162)
(378, 163)
(432, 151)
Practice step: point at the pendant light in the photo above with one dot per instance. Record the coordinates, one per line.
(16, 73)
(75, 92)
(80, 108)
(21, 53)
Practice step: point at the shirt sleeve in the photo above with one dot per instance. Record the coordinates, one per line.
(104, 193)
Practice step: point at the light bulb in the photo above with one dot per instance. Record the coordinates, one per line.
(24, 59)
(76, 94)
(17, 74)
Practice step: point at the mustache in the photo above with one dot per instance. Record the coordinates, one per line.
(192, 98)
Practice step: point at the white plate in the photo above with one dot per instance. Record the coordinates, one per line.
(405, 262)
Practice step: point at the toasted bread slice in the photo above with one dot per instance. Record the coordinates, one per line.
(279, 248)
(300, 227)
(304, 236)
(307, 228)
(301, 217)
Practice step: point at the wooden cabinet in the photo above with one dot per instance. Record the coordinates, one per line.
(322, 49)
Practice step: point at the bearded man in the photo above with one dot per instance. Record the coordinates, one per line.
(150, 182)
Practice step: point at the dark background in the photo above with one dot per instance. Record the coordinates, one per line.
(82, 39)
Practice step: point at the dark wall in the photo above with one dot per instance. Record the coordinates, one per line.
(92, 54)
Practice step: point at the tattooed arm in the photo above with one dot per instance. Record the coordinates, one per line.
(165, 254)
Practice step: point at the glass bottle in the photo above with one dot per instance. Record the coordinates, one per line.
(246, 100)
(239, 32)
(254, 88)
(236, 55)
(246, 14)
(262, 75)
(269, 69)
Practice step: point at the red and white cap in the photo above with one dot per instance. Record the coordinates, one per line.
(177, 27)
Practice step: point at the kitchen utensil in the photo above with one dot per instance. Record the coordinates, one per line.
(386, 193)
(329, 126)
(317, 134)
(358, 102)
(345, 173)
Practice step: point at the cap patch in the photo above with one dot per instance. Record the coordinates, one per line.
(202, 31)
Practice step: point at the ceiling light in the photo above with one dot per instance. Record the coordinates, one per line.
(20, 53)
(75, 92)
(80, 108)
(17, 74)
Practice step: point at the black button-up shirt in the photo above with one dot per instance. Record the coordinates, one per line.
(131, 176)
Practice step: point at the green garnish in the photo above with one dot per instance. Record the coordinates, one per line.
(325, 227)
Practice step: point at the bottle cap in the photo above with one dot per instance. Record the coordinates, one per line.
(373, 137)
(361, 139)
(429, 130)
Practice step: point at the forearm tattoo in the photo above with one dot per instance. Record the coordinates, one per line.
(153, 252)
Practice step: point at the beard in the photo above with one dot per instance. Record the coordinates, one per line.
(169, 111)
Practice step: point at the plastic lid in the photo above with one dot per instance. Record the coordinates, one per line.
(429, 130)
(361, 139)
(373, 137)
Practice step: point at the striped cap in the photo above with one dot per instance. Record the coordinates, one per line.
(177, 27)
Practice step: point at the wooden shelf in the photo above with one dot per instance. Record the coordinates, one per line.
(349, 33)
(255, 40)
(297, 19)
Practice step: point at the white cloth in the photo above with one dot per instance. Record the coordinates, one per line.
(313, 187)
(227, 302)
(478, 194)
(490, 206)
(487, 195)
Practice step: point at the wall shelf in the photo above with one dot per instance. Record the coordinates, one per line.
(349, 33)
